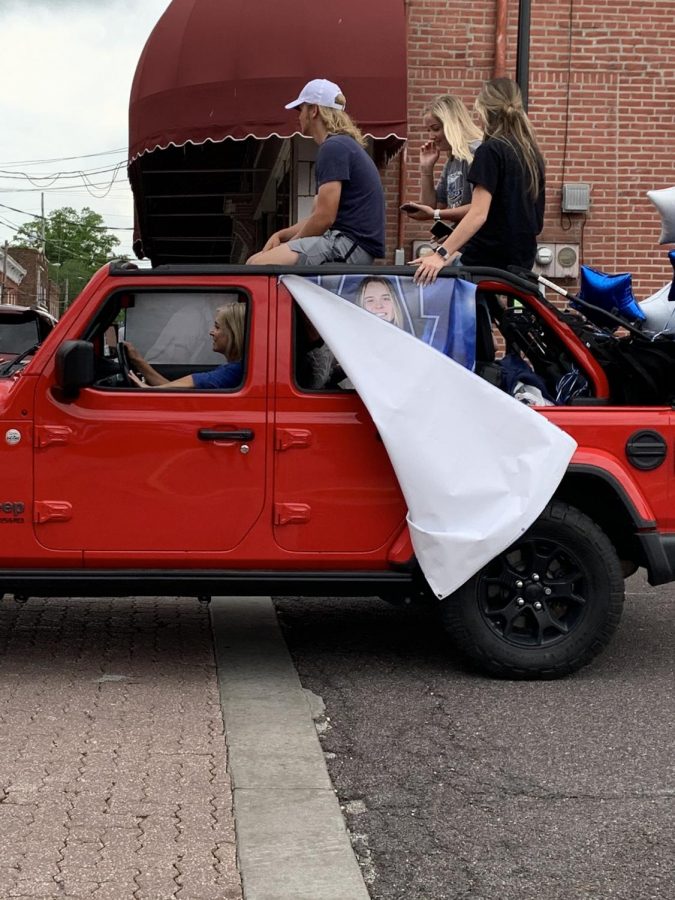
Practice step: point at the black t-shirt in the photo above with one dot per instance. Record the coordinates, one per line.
(509, 235)
(361, 211)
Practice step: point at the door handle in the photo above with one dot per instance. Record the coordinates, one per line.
(211, 434)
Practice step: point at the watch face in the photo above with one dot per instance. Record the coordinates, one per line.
(442, 252)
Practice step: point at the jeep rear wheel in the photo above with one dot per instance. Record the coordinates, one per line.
(545, 606)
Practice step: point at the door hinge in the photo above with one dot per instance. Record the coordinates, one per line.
(52, 434)
(51, 511)
(285, 438)
(291, 513)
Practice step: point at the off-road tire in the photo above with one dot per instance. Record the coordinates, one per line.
(546, 606)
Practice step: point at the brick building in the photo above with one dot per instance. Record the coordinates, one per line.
(36, 287)
(601, 81)
(601, 87)
(11, 277)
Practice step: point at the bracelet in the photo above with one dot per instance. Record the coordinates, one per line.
(437, 215)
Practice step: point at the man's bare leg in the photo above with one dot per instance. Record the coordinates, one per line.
(277, 256)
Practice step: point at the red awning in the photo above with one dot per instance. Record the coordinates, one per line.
(214, 69)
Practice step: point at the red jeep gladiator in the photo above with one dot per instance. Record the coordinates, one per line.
(282, 484)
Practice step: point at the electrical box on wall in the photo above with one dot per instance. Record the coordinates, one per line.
(421, 248)
(557, 260)
(576, 198)
(566, 261)
(543, 261)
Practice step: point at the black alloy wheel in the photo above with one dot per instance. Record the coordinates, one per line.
(545, 606)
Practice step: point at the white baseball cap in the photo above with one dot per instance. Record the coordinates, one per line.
(319, 91)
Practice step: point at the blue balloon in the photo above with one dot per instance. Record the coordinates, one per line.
(613, 293)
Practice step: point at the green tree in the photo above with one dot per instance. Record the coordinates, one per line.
(78, 243)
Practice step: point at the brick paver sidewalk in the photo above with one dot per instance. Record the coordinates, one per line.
(113, 779)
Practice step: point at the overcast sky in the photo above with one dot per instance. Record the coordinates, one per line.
(66, 72)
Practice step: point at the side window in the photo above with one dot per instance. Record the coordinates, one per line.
(315, 368)
(175, 339)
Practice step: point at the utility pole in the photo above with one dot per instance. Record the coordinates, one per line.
(4, 272)
(42, 211)
(40, 292)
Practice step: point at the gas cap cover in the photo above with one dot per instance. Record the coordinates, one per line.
(646, 450)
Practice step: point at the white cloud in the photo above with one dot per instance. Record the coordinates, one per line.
(69, 65)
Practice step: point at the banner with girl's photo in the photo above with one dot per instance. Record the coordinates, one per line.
(475, 466)
(442, 315)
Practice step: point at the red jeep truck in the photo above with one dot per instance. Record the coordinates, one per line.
(280, 486)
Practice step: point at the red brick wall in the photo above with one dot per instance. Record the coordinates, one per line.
(602, 99)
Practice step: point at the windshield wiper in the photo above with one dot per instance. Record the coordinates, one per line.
(17, 359)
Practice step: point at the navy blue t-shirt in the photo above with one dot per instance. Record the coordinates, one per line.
(361, 211)
(226, 376)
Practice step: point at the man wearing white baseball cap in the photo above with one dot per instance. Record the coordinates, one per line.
(346, 223)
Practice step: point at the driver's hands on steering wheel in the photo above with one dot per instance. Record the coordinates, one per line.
(135, 357)
(133, 377)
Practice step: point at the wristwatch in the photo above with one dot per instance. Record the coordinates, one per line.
(442, 252)
(437, 215)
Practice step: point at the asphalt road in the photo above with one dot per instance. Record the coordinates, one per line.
(457, 786)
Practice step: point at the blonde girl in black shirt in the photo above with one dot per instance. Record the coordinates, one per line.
(507, 205)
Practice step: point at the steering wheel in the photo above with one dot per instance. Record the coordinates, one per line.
(125, 364)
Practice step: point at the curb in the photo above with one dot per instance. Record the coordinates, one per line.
(292, 842)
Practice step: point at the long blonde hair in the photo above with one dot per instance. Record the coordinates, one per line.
(500, 106)
(337, 121)
(459, 129)
(232, 316)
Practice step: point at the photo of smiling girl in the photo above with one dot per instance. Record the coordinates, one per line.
(378, 296)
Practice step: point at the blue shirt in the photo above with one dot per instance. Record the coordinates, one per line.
(227, 376)
(360, 213)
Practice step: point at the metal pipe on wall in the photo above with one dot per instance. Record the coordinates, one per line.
(402, 167)
(499, 68)
(523, 50)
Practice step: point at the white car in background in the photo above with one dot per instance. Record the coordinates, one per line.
(22, 330)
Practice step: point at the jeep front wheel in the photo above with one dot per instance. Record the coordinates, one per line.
(545, 606)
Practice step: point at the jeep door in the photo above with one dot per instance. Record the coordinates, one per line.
(334, 488)
(156, 471)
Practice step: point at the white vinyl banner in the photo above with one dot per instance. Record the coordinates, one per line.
(475, 466)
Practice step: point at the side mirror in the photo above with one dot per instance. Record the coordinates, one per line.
(74, 366)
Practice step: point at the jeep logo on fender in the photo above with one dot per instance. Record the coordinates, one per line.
(11, 512)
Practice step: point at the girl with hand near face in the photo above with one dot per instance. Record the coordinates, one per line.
(450, 131)
(507, 205)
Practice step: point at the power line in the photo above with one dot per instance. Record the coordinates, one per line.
(25, 212)
(67, 190)
(31, 162)
(54, 176)
(7, 224)
(38, 181)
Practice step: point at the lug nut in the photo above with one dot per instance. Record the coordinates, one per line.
(535, 577)
(520, 601)
(537, 605)
(548, 591)
(519, 584)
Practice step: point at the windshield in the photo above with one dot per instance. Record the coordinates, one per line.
(16, 337)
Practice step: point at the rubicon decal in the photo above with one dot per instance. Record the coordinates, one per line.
(11, 512)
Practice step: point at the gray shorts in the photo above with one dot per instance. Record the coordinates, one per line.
(331, 246)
